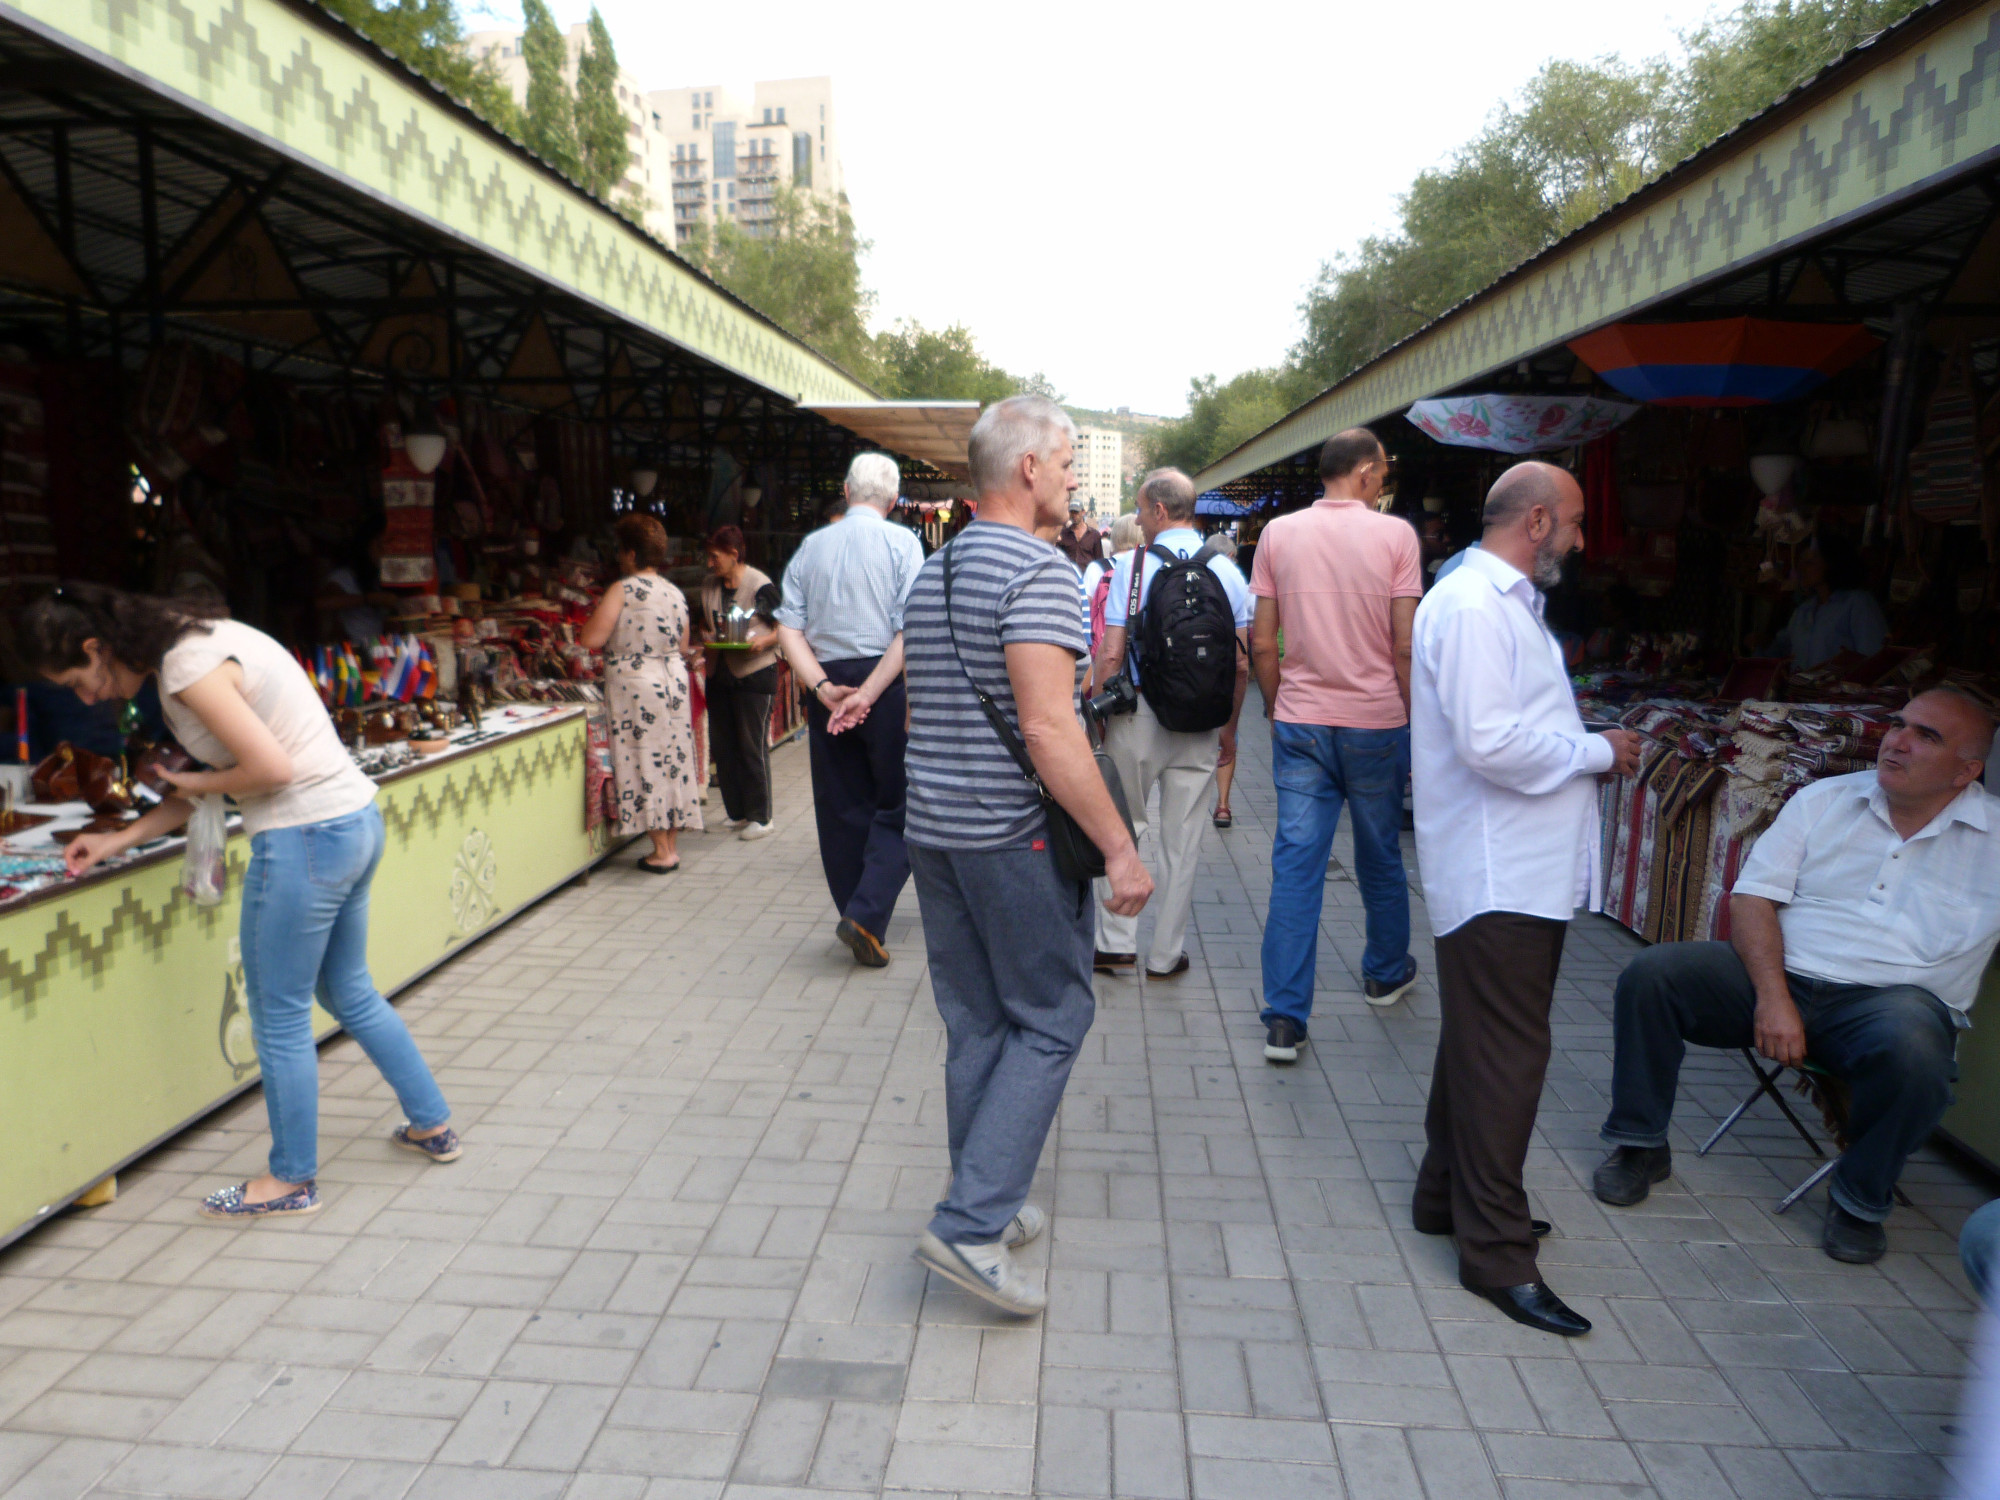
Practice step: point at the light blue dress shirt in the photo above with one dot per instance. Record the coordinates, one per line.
(846, 586)
(1850, 620)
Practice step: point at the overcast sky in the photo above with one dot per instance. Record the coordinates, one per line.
(1125, 197)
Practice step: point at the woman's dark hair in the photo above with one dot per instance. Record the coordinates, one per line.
(726, 539)
(644, 537)
(138, 628)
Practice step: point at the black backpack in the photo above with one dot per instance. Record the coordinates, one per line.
(1187, 643)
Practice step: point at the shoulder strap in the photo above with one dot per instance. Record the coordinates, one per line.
(994, 717)
(1132, 603)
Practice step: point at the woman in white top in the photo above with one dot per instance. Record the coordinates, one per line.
(237, 701)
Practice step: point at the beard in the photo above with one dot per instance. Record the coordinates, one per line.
(1548, 570)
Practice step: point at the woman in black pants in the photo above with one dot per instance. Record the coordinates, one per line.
(740, 683)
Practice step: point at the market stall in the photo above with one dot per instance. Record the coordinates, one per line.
(386, 414)
(1783, 405)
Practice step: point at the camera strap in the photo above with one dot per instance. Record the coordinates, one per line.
(994, 715)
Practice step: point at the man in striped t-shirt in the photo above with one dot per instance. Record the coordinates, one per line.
(1010, 940)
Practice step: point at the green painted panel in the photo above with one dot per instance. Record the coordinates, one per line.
(325, 99)
(123, 1012)
(1917, 115)
(1974, 1120)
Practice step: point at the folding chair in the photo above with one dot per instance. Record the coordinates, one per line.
(1827, 1091)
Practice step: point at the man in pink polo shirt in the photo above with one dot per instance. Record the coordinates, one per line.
(1342, 582)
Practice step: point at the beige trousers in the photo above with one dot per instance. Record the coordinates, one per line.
(1183, 766)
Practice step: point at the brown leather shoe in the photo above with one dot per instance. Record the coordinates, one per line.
(863, 944)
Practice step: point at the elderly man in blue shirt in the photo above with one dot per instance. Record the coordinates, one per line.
(840, 625)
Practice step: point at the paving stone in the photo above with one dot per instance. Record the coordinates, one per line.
(673, 1264)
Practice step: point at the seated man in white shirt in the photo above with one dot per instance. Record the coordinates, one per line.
(1860, 927)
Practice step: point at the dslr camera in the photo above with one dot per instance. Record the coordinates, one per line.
(1119, 697)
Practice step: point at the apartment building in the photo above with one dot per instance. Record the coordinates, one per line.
(706, 155)
(730, 155)
(1100, 472)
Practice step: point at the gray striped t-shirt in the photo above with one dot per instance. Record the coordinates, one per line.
(1007, 587)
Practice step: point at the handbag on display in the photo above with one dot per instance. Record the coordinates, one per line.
(1077, 858)
(70, 774)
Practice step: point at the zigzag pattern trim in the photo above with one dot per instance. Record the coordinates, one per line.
(1899, 127)
(272, 71)
(24, 976)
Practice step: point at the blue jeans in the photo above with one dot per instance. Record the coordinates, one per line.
(305, 926)
(1979, 1250)
(1009, 943)
(1317, 768)
(1895, 1048)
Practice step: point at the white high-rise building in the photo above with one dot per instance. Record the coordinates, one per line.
(1100, 472)
(706, 155)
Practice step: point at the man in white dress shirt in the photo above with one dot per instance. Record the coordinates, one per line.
(1506, 810)
(1859, 929)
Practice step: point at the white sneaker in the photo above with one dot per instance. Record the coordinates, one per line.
(754, 831)
(732, 824)
(1026, 1225)
(986, 1271)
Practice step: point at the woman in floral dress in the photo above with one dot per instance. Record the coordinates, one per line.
(642, 628)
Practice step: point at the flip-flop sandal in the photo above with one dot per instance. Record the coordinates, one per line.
(652, 869)
(1223, 820)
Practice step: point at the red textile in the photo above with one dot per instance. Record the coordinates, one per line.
(1603, 529)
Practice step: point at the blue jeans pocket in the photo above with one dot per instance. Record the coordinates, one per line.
(338, 852)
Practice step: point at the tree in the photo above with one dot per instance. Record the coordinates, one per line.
(603, 146)
(550, 127)
(803, 273)
(919, 363)
(1224, 416)
(426, 36)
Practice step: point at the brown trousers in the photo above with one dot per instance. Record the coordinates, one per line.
(1496, 982)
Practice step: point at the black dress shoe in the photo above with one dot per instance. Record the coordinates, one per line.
(1539, 1228)
(1858, 1242)
(1535, 1305)
(1627, 1175)
(1112, 963)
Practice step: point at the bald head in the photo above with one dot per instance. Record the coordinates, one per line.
(1520, 489)
(1968, 724)
(1534, 519)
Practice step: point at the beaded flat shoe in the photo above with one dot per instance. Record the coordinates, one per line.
(440, 1148)
(229, 1204)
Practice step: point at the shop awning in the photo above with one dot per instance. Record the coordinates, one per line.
(934, 431)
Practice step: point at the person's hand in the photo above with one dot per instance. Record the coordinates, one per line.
(1131, 885)
(88, 849)
(1624, 751)
(853, 708)
(1777, 1030)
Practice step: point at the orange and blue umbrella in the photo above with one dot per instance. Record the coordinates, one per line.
(1723, 362)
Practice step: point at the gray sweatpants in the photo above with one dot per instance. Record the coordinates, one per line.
(1010, 953)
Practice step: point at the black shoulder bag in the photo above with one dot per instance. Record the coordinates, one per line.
(1076, 857)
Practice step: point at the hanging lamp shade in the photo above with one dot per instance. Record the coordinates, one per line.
(1724, 362)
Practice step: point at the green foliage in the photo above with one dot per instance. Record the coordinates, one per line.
(1580, 137)
(426, 35)
(550, 128)
(803, 273)
(914, 362)
(602, 143)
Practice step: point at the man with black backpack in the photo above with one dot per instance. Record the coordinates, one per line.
(1178, 631)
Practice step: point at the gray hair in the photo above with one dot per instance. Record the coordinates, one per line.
(874, 480)
(1519, 490)
(1976, 708)
(1224, 543)
(1172, 491)
(1126, 534)
(1009, 430)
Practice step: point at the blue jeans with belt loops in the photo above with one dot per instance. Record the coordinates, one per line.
(305, 929)
(1317, 768)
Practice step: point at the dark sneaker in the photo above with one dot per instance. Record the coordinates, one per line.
(440, 1148)
(1113, 963)
(1858, 1242)
(863, 944)
(1281, 1040)
(228, 1204)
(1627, 1175)
(1376, 992)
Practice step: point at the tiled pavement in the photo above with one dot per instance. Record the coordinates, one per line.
(673, 1262)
